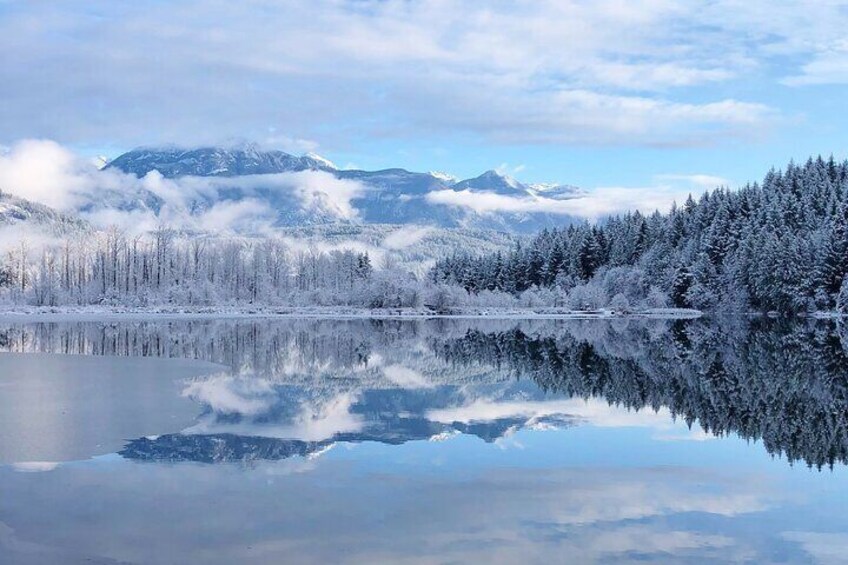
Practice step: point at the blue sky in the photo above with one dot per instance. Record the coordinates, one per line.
(609, 93)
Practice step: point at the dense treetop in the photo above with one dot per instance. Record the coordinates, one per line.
(780, 245)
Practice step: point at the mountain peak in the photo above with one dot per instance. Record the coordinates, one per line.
(493, 181)
(555, 191)
(323, 161)
(442, 176)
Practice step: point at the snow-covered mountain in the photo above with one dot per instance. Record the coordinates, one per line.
(494, 182)
(390, 196)
(19, 213)
(214, 161)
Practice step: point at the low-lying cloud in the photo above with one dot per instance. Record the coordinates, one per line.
(406, 236)
(48, 173)
(44, 171)
(592, 205)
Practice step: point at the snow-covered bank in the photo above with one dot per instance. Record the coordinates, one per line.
(100, 313)
(828, 315)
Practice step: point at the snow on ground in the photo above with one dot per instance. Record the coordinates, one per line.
(97, 313)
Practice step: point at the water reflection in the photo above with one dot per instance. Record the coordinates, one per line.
(445, 441)
(784, 384)
(63, 407)
(300, 387)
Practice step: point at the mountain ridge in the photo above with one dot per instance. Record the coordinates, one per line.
(386, 196)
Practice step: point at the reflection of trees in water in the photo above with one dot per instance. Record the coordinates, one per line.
(262, 347)
(279, 349)
(786, 384)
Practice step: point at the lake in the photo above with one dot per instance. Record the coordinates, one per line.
(440, 441)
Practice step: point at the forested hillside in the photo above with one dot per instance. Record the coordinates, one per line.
(781, 245)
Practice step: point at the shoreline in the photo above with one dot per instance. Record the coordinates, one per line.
(103, 313)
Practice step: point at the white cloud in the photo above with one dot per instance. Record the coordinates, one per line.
(648, 541)
(247, 216)
(227, 394)
(533, 513)
(509, 170)
(825, 547)
(43, 171)
(46, 172)
(489, 202)
(320, 190)
(698, 182)
(597, 412)
(406, 236)
(595, 204)
(827, 67)
(288, 144)
(405, 377)
(290, 72)
(696, 434)
(253, 397)
(33, 238)
(315, 421)
(639, 76)
(35, 466)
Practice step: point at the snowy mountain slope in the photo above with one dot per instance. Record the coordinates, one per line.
(494, 182)
(213, 161)
(19, 213)
(390, 196)
(555, 191)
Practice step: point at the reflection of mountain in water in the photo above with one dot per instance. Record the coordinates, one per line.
(292, 422)
(298, 387)
(219, 448)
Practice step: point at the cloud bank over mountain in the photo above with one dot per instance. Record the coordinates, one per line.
(212, 190)
(46, 172)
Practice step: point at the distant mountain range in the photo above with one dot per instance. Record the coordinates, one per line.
(305, 200)
(390, 196)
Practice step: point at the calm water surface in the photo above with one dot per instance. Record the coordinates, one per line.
(423, 441)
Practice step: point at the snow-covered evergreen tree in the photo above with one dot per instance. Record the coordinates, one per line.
(781, 245)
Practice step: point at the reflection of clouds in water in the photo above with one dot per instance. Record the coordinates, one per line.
(597, 412)
(444, 436)
(11, 543)
(645, 540)
(377, 503)
(34, 466)
(629, 543)
(405, 377)
(251, 397)
(246, 405)
(825, 548)
(227, 394)
(506, 515)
